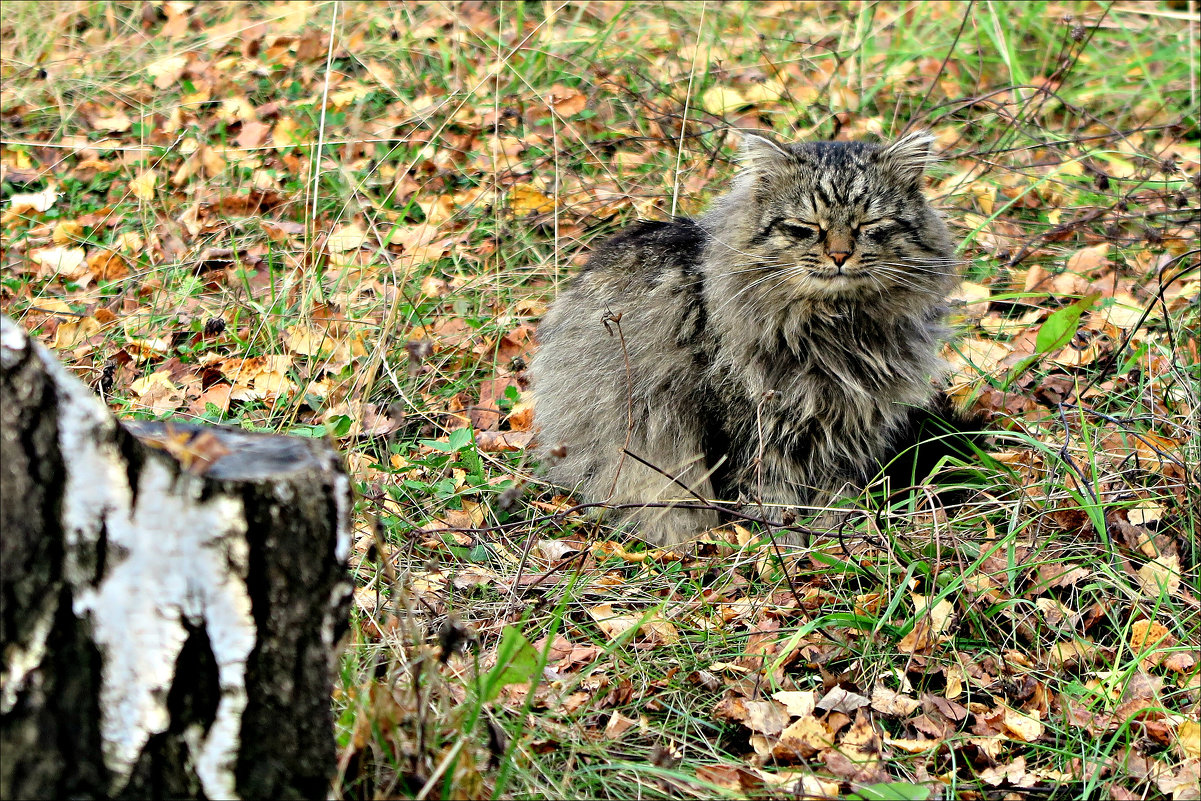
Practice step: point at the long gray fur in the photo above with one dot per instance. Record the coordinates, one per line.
(755, 368)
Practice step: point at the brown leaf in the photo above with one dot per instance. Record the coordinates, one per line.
(765, 717)
(566, 102)
(486, 414)
(499, 441)
(1148, 639)
(217, 394)
(891, 703)
(107, 265)
(804, 737)
(1183, 784)
(1089, 260)
(729, 777)
(841, 700)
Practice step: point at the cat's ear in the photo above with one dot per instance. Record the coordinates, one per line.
(761, 156)
(909, 156)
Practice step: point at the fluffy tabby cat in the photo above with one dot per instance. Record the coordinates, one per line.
(776, 349)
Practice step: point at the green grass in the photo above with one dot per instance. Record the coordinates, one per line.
(453, 141)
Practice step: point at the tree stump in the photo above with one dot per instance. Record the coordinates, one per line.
(171, 597)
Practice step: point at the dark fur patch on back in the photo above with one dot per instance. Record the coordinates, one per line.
(659, 245)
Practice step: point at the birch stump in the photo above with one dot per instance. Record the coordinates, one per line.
(170, 599)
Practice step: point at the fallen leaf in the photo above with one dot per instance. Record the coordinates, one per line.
(1144, 512)
(1184, 784)
(71, 333)
(527, 199)
(806, 736)
(617, 725)
(143, 185)
(889, 702)
(1090, 259)
(116, 122)
(722, 99)
(765, 717)
(1160, 575)
(500, 441)
(64, 261)
(566, 102)
(839, 699)
(611, 624)
(167, 71)
(347, 237)
(1148, 639)
(107, 265)
(1022, 726)
(1188, 739)
(798, 704)
(34, 201)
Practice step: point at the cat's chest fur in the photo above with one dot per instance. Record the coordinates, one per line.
(802, 383)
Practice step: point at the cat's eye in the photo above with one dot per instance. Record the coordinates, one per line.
(797, 230)
(873, 223)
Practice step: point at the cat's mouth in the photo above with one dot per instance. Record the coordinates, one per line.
(839, 278)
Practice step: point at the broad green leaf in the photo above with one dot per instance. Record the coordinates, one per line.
(460, 438)
(516, 662)
(1060, 327)
(891, 791)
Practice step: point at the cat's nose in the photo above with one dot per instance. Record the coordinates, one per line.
(839, 257)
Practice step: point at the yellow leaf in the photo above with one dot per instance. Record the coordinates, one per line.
(1147, 637)
(984, 355)
(806, 736)
(161, 378)
(117, 122)
(1188, 739)
(348, 237)
(349, 95)
(768, 90)
(526, 199)
(438, 210)
(66, 232)
(60, 261)
(1145, 512)
(971, 293)
(286, 134)
(798, 704)
(660, 631)
(612, 624)
(143, 186)
(1160, 575)
(1022, 726)
(307, 341)
(566, 102)
(722, 99)
(166, 71)
(70, 334)
(130, 242)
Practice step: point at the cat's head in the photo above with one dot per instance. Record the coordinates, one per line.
(838, 219)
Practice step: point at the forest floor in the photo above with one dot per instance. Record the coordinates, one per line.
(345, 220)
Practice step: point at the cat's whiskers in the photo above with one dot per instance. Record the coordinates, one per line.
(785, 275)
(902, 279)
(913, 269)
(922, 267)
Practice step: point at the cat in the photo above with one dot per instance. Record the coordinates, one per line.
(774, 351)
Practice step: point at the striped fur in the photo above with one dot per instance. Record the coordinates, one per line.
(773, 349)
